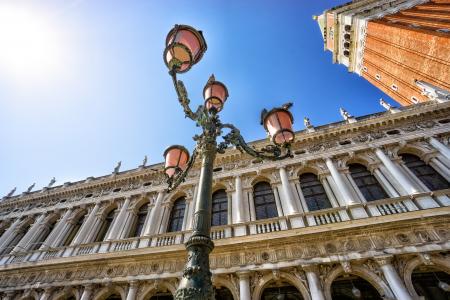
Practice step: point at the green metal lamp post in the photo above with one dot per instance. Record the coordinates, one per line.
(185, 47)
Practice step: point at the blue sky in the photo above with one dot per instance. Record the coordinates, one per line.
(90, 88)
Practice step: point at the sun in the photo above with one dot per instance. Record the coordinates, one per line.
(30, 45)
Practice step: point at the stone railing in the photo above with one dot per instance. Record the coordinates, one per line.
(221, 232)
(379, 208)
(327, 216)
(268, 225)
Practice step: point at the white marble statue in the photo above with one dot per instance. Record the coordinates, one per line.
(11, 193)
(51, 183)
(345, 114)
(433, 92)
(307, 122)
(30, 188)
(117, 168)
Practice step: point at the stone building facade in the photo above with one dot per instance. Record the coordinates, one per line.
(362, 207)
(400, 46)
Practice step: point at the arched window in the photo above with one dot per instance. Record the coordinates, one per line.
(219, 208)
(105, 226)
(74, 230)
(432, 179)
(367, 183)
(20, 234)
(312, 189)
(38, 242)
(264, 199)
(177, 215)
(138, 225)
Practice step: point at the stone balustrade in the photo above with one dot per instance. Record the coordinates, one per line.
(380, 208)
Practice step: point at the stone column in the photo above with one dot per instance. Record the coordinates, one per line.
(244, 286)
(86, 227)
(229, 208)
(118, 220)
(328, 190)
(9, 295)
(28, 237)
(277, 202)
(439, 167)
(443, 149)
(334, 191)
(87, 292)
(187, 211)
(395, 282)
(395, 170)
(315, 288)
(190, 215)
(354, 188)
(287, 199)
(8, 234)
(132, 291)
(342, 186)
(152, 225)
(248, 197)
(46, 294)
(164, 219)
(53, 236)
(385, 183)
(239, 205)
(129, 218)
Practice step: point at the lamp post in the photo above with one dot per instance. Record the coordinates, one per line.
(184, 48)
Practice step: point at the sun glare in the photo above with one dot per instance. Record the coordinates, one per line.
(31, 48)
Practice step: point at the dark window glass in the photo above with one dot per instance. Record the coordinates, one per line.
(426, 283)
(222, 293)
(177, 215)
(341, 288)
(140, 221)
(74, 231)
(114, 297)
(219, 208)
(105, 226)
(264, 199)
(286, 292)
(432, 179)
(162, 296)
(367, 183)
(313, 192)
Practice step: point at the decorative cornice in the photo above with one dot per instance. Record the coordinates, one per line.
(415, 120)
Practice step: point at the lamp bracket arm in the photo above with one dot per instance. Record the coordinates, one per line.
(183, 97)
(269, 152)
(180, 177)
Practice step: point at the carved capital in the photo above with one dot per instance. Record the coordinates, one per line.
(134, 284)
(384, 260)
(311, 268)
(243, 274)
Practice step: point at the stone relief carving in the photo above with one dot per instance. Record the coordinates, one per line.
(373, 266)
(346, 266)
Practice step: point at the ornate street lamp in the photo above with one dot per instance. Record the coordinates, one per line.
(176, 158)
(184, 47)
(215, 94)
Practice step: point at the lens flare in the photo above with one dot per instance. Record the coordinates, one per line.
(31, 47)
